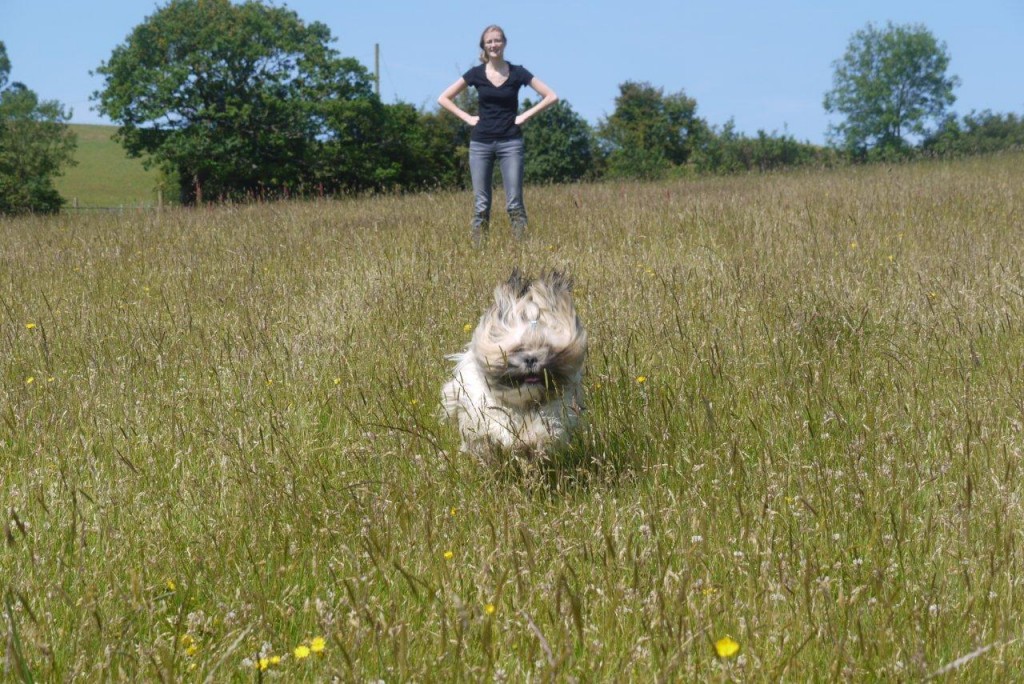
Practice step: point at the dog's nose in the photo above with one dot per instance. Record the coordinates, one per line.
(530, 361)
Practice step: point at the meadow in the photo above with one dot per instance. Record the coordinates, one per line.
(221, 456)
(105, 177)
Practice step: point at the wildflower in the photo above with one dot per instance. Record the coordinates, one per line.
(490, 609)
(641, 379)
(853, 245)
(454, 511)
(171, 586)
(30, 326)
(414, 402)
(263, 664)
(301, 652)
(468, 328)
(275, 660)
(29, 380)
(726, 647)
(337, 381)
(448, 555)
(317, 645)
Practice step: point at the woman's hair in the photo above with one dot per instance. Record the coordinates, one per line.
(492, 27)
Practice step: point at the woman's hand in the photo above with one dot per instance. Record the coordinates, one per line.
(521, 119)
(472, 120)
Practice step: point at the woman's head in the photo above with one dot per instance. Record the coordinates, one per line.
(491, 35)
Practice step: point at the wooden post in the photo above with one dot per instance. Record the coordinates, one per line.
(376, 68)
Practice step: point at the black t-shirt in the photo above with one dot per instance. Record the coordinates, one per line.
(498, 105)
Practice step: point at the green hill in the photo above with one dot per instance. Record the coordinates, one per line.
(105, 176)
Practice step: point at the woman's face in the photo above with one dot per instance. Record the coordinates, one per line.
(494, 44)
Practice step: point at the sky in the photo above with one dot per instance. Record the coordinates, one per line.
(762, 65)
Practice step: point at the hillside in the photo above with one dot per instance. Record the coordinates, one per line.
(224, 458)
(105, 176)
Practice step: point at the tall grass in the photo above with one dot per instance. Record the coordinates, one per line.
(220, 438)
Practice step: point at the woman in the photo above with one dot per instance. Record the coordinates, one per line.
(497, 134)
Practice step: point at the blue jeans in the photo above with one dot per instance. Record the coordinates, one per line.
(509, 154)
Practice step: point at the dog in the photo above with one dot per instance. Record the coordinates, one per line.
(516, 389)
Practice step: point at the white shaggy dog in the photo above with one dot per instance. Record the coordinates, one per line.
(516, 389)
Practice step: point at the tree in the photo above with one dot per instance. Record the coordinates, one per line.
(890, 84)
(979, 133)
(35, 144)
(238, 100)
(560, 144)
(649, 132)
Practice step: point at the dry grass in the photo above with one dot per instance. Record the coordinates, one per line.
(219, 438)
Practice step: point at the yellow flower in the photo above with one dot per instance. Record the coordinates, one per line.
(853, 245)
(275, 660)
(490, 609)
(468, 328)
(30, 326)
(414, 402)
(454, 511)
(187, 640)
(263, 664)
(641, 379)
(317, 645)
(301, 652)
(192, 650)
(337, 381)
(726, 647)
(448, 555)
(171, 586)
(29, 380)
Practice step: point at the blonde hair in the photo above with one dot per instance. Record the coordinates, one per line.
(492, 27)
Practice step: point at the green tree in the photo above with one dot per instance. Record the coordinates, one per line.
(239, 100)
(560, 146)
(726, 151)
(649, 133)
(890, 84)
(978, 133)
(35, 144)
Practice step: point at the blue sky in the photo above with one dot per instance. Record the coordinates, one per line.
(766, 65)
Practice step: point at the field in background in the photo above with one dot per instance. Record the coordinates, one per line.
(222, 459)
(105, 177)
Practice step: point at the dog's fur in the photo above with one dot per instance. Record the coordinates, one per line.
(517, 387)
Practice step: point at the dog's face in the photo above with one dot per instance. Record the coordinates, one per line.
(530, 344)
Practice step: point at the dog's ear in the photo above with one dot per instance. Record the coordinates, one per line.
(517, 283)
(506, 294)
(558, 281)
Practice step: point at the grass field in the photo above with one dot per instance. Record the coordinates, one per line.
(105, 177)
(222, 457)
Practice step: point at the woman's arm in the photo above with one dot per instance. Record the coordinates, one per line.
(548, 98)
(447, 100)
